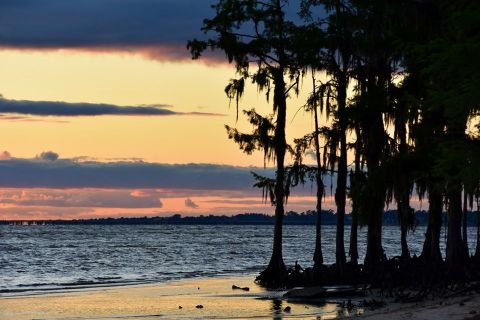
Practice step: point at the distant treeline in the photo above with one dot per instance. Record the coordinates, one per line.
(390, 218)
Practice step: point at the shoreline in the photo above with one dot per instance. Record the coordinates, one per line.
(92, 286)
(79, 287)
(146, 301)
(214, 298)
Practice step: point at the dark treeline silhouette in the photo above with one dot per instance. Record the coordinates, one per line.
(396, 83)
(390, 218)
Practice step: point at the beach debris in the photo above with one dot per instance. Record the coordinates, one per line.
(180, 307)
(199, 306)
(198, 288)
(234, 287)
(323, 292)
(287, 309)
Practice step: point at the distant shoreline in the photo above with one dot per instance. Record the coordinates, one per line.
(291, 218)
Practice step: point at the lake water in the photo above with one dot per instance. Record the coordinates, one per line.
(42, 258)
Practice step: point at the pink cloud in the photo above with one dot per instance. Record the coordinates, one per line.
(159, 53)
(44, 203)
(5, 155)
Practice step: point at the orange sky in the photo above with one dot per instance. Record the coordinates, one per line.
(130, 79)
(125, 54)
(122, 79)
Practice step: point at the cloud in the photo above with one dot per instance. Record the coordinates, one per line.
(70, 173)
(26, 118)
(59, 108)
(48, 156)
(157, 29)
(43, 213)
(5, 155)
(161, 26)
(79, 198)
(190, 204)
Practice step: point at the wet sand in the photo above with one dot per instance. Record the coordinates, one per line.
(155, 301)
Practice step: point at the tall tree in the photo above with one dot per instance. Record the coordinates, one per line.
(455, 41)
(315, 101)
(400, 160)
(256, 33)
(336, 60)
(339, 63)
(317, 255)
(373, 72)
(427, 122)
(357, 179)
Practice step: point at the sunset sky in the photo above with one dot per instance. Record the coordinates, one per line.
(103, 113)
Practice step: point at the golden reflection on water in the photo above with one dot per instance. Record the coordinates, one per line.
(216, 296)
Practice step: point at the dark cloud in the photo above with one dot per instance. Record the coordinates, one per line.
(90, 23)
(48, 156)
(190, 204)
(159, 28)
(59, 108)
(67, 173)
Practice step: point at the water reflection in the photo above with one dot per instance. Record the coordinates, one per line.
(277, 309)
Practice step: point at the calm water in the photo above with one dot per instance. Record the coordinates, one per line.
(37, 258)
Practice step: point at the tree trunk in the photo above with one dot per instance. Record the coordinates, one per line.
(455, 249)
(275, 273)
(318, 255)
(464, 226)
(341, 191)
(405, 216)
(477, 250)
(375, 252)
(403, 241)
(375, 189)
(402, 194)
(353, 250)
(354, 181)
(431, 247)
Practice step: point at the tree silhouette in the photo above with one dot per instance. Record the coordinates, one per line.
(335, 58)
(414, 112)
(256, 33)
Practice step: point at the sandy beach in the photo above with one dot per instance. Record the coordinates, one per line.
(155, 301)
(456, 308)
(214, 298)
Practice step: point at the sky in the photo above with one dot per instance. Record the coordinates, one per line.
(104, 113)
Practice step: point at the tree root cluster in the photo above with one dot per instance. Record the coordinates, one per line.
(405, 280)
